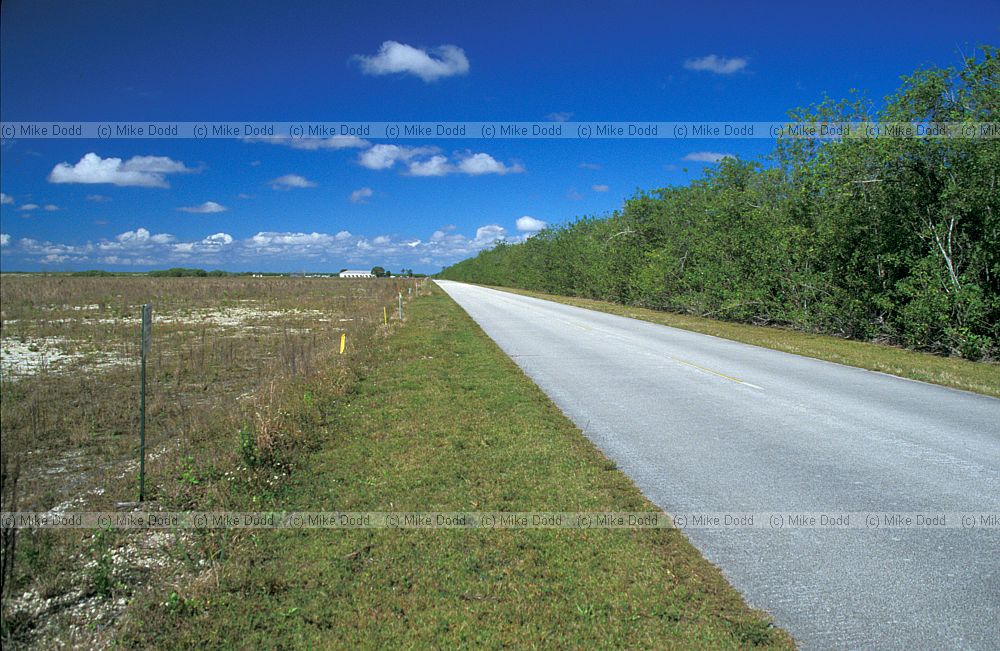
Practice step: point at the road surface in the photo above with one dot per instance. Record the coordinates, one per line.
(703, 424)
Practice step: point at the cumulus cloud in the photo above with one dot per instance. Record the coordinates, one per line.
(289, 181)
(205, 208)
(600, 187)
(382, 157)
(212, 244)
(49, 207)
(434, 166)
(138, 171)
(490, 233)
(4, 239)
(313, 144)
(528, 224)
(476, 164)
(6, 199)
(718, 65)
(270, 239)
(707, 156)
(398, 58)
(428, 161)
(142, 236)
(362, 195)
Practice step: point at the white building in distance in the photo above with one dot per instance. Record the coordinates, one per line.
(354, 273)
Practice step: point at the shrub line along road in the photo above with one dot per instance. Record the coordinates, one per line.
(711, 425)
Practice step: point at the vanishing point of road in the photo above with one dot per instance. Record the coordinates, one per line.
(707, 425)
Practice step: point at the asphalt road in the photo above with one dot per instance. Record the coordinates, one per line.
(703, 424)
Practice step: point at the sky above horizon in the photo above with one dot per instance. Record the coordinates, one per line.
(277, 205)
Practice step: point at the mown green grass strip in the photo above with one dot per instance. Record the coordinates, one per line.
(445, 421)
(980, 377)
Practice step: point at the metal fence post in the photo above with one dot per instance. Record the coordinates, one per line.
(147, 317)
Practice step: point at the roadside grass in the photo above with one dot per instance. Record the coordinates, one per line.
(444, 421)
(228, 400)
(954, 372)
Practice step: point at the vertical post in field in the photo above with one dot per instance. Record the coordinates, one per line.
(147, 317)
(400, 306)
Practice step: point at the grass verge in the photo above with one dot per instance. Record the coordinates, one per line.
(957, 373)
(443, 420)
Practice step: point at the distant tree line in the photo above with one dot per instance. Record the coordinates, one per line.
(887, 239)
(182, 272)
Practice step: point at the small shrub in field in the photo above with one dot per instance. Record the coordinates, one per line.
(248, 447)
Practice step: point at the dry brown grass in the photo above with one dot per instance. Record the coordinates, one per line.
(228, 357)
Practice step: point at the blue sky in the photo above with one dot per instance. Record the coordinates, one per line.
(241, 205)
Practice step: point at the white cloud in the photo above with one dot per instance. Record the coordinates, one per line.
(490, 233)
(138, 171)
(291, 181)
(4, 239)
(600, 187)
(394, 57)
(143, 236)
(382, 157)
(313, 144)
(49, 207)
(97, 198)
(707, 156)
(205, 208)
(6, 199)
(122, 261)
(155, 164)
(219, 238)
(530, 224)
(435, 166)
(266, 239)
(244, 195)
(362, 195)
(476, 164)
(212, 244)
(560, 116)
(718, 65)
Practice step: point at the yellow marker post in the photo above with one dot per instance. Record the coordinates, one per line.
(343, 342)
(385, 315)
